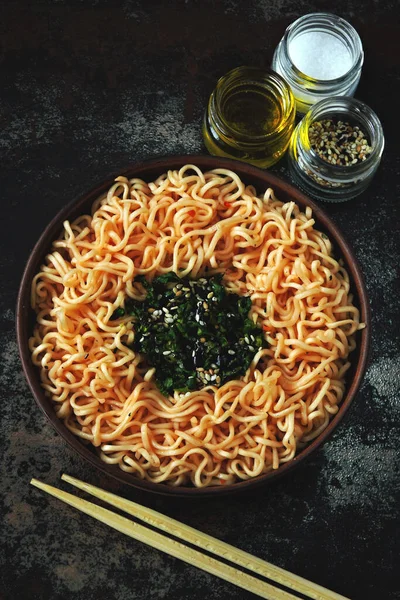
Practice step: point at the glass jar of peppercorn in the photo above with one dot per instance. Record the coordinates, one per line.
(336, 149)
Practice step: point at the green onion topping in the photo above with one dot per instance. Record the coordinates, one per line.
(194, 332)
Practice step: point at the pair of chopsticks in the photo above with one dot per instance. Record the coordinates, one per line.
(192, 536)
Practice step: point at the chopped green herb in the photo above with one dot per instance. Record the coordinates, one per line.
(117, 314)
(194, 332)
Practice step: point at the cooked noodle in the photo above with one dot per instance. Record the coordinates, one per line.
(194, 223)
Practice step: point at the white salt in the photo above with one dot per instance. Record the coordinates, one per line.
(320, 55)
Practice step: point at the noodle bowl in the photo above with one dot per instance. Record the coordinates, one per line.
(194, 223)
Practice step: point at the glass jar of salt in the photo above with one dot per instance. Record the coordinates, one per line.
(320, 55)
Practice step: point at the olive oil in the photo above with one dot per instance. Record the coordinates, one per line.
(250, 116)
(252, 112)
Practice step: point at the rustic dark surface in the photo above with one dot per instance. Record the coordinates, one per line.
(87, 88)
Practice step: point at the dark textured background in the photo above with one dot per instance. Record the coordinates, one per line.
(85, 89)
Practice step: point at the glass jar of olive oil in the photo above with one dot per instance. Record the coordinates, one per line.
(250, 116)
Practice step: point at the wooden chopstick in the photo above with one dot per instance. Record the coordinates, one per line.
(167, 545)
(191, 535)
(209, 543)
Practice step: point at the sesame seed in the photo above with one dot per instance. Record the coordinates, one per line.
(208, 376)
(231, 352)
(331, 139)
(210, 295)
(167, 352)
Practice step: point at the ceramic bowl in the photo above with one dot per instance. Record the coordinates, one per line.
(149, 170)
